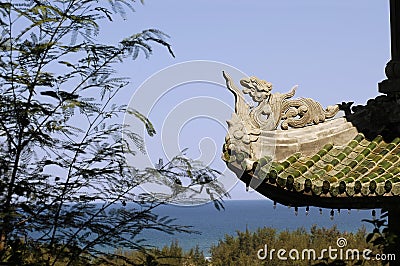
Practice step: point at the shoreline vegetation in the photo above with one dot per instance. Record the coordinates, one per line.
(243, 249)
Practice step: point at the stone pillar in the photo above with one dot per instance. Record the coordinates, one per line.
(391, 85)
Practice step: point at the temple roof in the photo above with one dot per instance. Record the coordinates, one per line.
(360, 169)
(314, 160)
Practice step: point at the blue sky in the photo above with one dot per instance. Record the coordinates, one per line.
(335, 50)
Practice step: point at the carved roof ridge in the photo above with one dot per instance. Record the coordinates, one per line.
(314, 160)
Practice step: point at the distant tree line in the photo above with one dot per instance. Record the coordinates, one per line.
(242, 249)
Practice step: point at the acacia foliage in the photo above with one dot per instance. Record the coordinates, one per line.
(64, 180)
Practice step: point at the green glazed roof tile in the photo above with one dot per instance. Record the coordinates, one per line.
(395, 179)
(360, 168)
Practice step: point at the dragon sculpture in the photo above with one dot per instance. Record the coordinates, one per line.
(272, 110)
(274, 107)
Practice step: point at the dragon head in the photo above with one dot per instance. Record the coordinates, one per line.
(258, 89)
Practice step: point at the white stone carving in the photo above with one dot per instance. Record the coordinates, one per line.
(272, 108)
(249, 123)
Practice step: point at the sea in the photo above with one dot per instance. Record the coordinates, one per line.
(239, 215)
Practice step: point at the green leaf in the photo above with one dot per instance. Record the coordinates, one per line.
(50, 93)
(149, 127)
(66, 63)
(67, 95)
